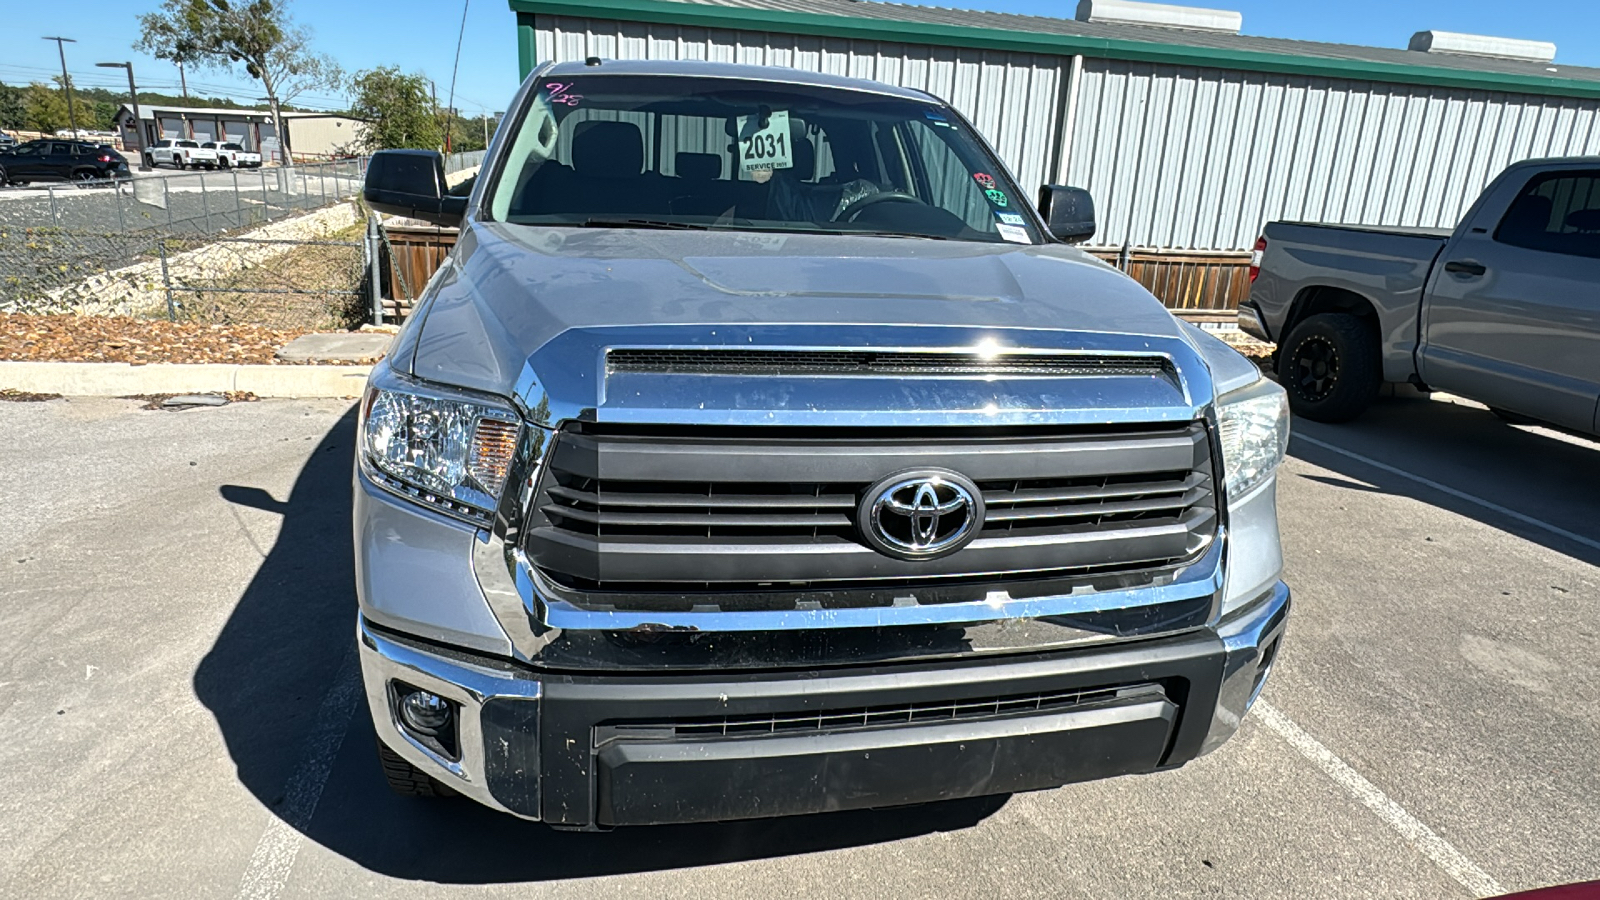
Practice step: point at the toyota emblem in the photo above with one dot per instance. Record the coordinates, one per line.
(922, 514)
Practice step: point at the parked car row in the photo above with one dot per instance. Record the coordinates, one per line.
(58, 160)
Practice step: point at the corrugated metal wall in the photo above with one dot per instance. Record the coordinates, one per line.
(1177, 158)
(1200, 159)
(1012, 98)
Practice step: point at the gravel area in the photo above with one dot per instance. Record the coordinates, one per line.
(72, 338)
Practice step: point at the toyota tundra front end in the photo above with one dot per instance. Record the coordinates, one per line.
(756, 453)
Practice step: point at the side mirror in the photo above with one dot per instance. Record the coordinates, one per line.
(1068, 212)
(411, 183)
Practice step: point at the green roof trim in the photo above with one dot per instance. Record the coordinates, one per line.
(670, 12)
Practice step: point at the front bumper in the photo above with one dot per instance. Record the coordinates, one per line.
(602, 750)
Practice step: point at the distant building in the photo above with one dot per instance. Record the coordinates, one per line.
(311, 135)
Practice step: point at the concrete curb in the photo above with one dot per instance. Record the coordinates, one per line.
(121, 379)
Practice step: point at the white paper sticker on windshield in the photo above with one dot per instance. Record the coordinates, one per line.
(765, 148)
(1014, 233)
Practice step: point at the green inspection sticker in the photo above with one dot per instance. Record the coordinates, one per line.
(998, 198)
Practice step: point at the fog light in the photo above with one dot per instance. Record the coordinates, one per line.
(425, 713)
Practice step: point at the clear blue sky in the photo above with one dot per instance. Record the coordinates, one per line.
(420, 35)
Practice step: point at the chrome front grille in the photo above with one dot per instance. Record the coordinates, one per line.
(652, 512)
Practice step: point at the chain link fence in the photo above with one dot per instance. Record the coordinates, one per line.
(96, 247)
(314, 285)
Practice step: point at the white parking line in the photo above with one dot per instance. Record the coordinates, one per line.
(1459, 495)
(1440, 851)
(274, 855)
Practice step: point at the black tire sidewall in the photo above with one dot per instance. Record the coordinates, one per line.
(1360, 370)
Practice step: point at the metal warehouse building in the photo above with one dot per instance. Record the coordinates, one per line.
(1189, 135)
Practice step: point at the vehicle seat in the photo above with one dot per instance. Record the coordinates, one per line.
(608, 161)
(1527, 221)
(699, 186)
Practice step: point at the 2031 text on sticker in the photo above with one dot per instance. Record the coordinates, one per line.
(767, 146)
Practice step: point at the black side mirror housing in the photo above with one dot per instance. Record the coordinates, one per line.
(1068, 212)
(411, 183)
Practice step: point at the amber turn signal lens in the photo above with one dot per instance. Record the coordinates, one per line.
(494, 442)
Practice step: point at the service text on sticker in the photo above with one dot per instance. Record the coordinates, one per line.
(765, 146)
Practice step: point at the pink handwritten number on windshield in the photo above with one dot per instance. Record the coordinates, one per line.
(557, 93)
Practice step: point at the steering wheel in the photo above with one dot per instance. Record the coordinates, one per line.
(854, 207)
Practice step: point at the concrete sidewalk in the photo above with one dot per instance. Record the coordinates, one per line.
(77, 379)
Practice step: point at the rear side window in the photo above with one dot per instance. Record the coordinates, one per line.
(1557, 212)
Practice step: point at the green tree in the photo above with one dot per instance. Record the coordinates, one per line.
(398, 110)
(45, 108)
(257, 35)
(13, 108)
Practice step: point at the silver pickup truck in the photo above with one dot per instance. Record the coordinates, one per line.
(1505, 310)
(758, 450)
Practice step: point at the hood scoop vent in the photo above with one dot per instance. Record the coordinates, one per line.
(881, 364)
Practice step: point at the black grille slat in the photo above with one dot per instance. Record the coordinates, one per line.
(1180, 483)
(752, 510)
(1171, 505)
(719, 361)
(678, 520)
(709, 501)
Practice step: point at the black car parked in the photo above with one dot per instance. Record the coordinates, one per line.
(54, 160)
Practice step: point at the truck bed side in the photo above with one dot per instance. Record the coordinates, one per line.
(1375, 273)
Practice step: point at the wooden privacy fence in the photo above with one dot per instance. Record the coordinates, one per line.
(1181, 279)
(413, 253)
(1186, 279)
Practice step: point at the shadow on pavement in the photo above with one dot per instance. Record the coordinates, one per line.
(274, 662)
(1554, 479)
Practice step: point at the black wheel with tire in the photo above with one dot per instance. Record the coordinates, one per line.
(405, 779)
(1330, 367)
(3, 180)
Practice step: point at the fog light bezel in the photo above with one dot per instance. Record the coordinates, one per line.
(443, 740)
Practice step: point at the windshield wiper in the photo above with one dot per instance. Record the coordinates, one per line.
(643, 223)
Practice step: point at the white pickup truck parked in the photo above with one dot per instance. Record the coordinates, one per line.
(232, 155)
(181, 154)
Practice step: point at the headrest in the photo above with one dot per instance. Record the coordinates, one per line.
(805, 155)
(699, 166)
(1529, 215)
(608, 149)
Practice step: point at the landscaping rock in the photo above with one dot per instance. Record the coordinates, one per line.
(347, 347)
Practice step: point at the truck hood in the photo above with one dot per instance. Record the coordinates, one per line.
(521, 310)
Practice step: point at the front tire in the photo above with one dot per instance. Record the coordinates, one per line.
(405, 779)
(1330, 367)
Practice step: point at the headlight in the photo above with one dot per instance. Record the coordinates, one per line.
(444, 449)
(1254, 422)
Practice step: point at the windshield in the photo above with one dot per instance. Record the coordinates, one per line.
(621, 151)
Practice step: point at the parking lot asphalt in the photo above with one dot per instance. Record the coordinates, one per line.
(180, 694)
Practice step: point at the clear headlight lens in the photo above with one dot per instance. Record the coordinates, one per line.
(1254, 422)
(447, 451)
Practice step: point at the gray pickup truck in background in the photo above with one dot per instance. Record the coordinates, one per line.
(1505, 310)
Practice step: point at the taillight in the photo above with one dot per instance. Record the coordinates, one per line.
(104, 157)
(1255, 257)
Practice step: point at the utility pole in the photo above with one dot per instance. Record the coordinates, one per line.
(485, 130)
(182, 80)
(138, 120)
(72, 114)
